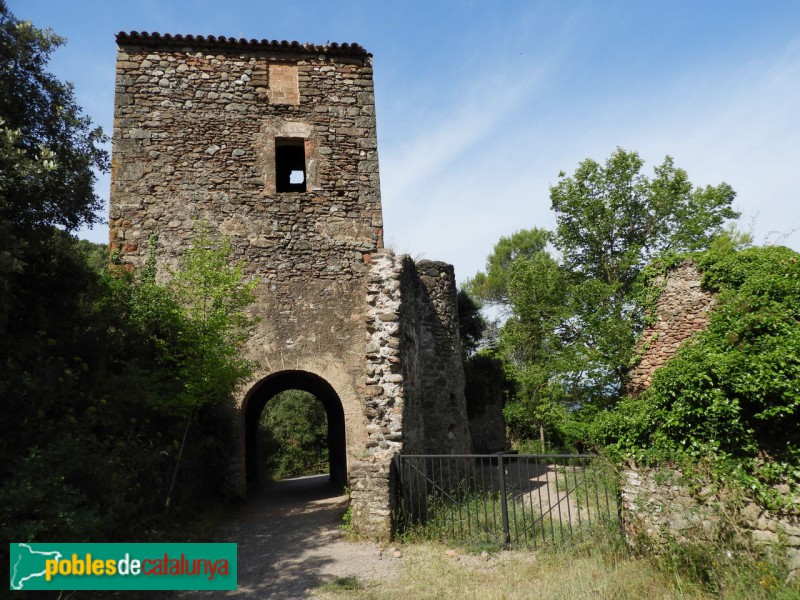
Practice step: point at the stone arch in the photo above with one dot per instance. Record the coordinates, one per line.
(271, 385)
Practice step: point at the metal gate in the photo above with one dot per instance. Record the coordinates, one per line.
(520, 500)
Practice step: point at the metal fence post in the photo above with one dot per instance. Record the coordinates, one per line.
(503, 499)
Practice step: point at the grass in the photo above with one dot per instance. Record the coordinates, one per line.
(598, 567)
(429, 573)
(342, 584)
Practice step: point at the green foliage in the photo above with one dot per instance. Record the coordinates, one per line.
(50, 146)
(492, 286)
(294, 435)
(731, 568)
(573, 320)
(48, 154)
(92, 412)
(471, 324)
(731, 394)
(214, 296)
(612, 220)
(96, 256)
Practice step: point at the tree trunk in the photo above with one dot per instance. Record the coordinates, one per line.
(178, 463)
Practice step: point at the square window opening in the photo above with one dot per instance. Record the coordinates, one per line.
(290, 165)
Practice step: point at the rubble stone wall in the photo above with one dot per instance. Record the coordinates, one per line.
(680, 312)
(195, 127)
(658, 506)
(415, 393)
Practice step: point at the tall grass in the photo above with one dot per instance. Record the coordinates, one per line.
(597, 565)
(574, 559)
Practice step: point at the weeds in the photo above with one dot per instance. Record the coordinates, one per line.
(731, 569)
(343, 584)
(544, 504)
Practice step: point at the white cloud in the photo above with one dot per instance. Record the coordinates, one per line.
(451, 192)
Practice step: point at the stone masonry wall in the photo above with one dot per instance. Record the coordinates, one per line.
(440, 365)
(196, 125)
(415, 393)
(657, 506)
(200, 129)
(680, 311)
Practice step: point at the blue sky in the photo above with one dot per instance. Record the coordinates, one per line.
(481, 104)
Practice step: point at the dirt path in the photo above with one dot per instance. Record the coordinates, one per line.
(290, 542)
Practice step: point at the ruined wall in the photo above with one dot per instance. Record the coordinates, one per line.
(197, 125)
(441, 369)
(415, 394)
(484, 394)
(657, 506)
(680, 311)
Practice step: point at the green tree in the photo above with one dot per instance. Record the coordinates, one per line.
(611, 220)
(471, 324)
(574, 315)
(49, 153)
(293, 433)
(491, 286)
(215, 295)
(205, 304)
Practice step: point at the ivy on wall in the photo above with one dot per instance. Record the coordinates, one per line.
(730, 396)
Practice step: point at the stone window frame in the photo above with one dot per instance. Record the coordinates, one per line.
(275, 130)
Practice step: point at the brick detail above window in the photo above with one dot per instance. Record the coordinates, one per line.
(283, 86)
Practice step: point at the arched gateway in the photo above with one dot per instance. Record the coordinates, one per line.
(266, 389)
(274, 145)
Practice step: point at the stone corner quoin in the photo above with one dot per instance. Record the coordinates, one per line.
(273, 144)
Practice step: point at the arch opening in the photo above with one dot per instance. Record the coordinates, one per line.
(267, 389)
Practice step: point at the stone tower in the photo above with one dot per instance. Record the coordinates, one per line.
(273, 144)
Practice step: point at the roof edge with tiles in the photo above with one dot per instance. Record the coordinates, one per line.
(168, 40)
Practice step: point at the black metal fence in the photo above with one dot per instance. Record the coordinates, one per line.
(504, 499)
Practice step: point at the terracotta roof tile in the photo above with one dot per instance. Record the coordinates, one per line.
(161, 40)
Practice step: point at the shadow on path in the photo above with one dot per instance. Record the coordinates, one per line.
(286, 537)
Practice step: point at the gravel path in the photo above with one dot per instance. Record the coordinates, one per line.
(290, 542)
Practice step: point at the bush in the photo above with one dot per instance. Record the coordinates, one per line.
(731, 393)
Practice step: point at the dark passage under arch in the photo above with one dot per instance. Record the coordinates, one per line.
(272, 385)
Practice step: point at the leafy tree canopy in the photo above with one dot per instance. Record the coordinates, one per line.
(48, 155)
(611, 219)
(573, 313)
(471, 324)
(293, 432)
(492, 286)
(49, 147)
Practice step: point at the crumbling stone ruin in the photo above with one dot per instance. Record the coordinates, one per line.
(658, 504)
(680, 311)
(274, 145)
